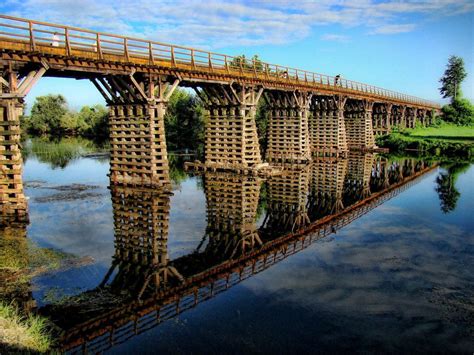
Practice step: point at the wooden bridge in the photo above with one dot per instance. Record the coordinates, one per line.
(310, 113)
(159, 288)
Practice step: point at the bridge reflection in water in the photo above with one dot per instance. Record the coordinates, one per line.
(143, 287)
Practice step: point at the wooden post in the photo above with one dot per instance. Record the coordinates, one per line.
(32, 36)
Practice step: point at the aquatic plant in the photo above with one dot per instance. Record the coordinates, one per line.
(23, 333)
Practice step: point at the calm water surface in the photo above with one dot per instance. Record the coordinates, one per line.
(398, 278)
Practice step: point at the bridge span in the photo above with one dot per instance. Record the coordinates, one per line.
(310, 113)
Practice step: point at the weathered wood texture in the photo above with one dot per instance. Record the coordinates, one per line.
(90, 50)
(358, 121)
(326, 126)
(13, 203)
(138, 145)
(231, 139)
(288, 134)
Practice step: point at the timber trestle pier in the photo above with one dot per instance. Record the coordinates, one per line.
(323, 198)
(311, 114)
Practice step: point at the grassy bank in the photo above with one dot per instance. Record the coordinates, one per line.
(442, 140)
(24, 334)
(443, 131)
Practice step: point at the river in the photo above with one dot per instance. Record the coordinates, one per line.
(371, 253)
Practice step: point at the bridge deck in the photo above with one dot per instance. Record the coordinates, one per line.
(76, 52)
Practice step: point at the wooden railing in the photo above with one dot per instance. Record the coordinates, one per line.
(72, 40)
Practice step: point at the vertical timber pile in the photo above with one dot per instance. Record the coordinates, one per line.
(288, 132)
(327, 186)
(358, 120)
(15, 83)
(231, 141)
(141, 216)
(398, 113)
(326, 126)
(382, 118)
(137, 106)
(411, 114)
(232, 202)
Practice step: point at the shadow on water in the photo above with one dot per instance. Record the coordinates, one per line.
(251, 225)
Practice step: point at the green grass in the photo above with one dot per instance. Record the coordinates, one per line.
(23, 333)
(443, 131)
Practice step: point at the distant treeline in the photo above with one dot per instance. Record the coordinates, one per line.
(184, 121)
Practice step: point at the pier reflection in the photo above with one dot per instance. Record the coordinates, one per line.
(144, 288)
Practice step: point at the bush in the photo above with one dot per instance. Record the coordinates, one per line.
(460, 112)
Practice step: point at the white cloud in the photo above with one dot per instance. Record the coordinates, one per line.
(334, 37)
(216, 23)
(393, 29)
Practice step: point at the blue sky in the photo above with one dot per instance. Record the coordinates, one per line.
(398, 45)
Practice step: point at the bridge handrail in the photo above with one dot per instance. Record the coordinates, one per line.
(40, 34)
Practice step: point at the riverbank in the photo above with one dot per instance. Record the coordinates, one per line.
(25, 334)
(445, 140)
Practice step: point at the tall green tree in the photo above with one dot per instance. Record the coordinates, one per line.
(184, 121)
(452, 78)
(47, 115)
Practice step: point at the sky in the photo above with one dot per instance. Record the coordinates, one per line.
(398, 45)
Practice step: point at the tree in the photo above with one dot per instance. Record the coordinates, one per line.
(452, 78)
(240, 62)
(184, 121)
(47, 113)
(94, 122)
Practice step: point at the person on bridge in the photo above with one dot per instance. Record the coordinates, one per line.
(337, 79)
(55, 42)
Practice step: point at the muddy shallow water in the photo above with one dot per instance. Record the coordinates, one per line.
(397, 278)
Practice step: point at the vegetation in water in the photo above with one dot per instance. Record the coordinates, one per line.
(59, 152)
(17, 253)
(23, 333)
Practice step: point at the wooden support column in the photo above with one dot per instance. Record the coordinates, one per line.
(232, 202)
(403, 116)
(411, 117)
(423, 117)
(15, 83)
(388, 117)
(288, 133)
(326, 126)
(231, 131)
(358, 120)
(137, 106)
